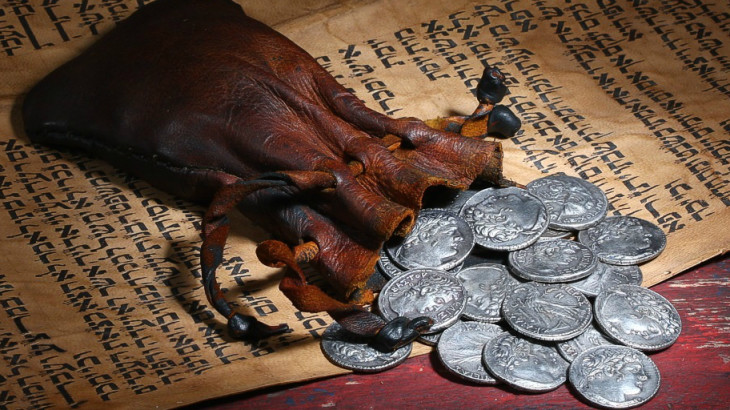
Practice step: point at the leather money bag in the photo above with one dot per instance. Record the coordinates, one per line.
(208, 104)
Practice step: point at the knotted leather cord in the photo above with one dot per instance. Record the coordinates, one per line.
(215, 232)
(385, 335)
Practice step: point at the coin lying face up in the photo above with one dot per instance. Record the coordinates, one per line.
(480, 255)
(386, 265)
(440, 239)
(354, 353)
(551, 234)
(460, 350)
(524, 364)
(430, 339)
(614, 376)
(637, 317)
(551, 312)
(424, 292)
(606, 277)
(572, 203)
(505, 219)
(624, 240)
(591, 337)
(453, 202)
(559, 260)
(486, 286)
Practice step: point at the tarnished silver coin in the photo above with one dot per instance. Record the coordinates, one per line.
(624, 240)
(386, 265)
(608, 276)
(572, 203)
(424, 292)
(551, 234)
(505, 219)
(637, 317)
(524, 364)
(390, 270)
(456, 269)
(440, 239)
(460, 350)
(430, 339)
(480, 255)
(555, 261)
(486, 286)
(591, 337)
(551, 312)
(353, 352)
(614, 376)
(452, 200)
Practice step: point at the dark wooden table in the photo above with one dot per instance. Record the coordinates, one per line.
(695, 371)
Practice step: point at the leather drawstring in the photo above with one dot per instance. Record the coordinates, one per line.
(386, 336)
(215, 233)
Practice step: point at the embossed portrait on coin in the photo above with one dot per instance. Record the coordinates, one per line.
(433, 242)
(424, 298)
(645, 316)
(553, 257)
(484, 294)
(624, 236)
(502, 218)
(615, 377)
(519, 358)
(564, 200)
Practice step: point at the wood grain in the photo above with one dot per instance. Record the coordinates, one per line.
(695, 370)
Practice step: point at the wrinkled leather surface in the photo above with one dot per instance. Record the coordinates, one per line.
(193, 95)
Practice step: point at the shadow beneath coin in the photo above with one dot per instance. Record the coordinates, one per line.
(439, 367)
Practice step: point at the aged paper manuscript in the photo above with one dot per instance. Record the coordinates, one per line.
(100, 299)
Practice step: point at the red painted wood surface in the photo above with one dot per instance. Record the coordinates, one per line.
(695, 371)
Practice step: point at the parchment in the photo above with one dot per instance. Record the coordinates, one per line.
(100, 299)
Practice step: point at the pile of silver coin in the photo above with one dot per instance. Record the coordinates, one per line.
(527, 287)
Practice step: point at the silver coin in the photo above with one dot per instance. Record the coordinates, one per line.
(551, 234)
(505, 219)
(591, 337)
(486, 286)
(637, 317)
(390, 270)
(460, 200)
(439, 239)
(424, 292)
(624, 240)
(456, 269)
(524, 364)
(608, 276)
(550, 312)
(460, 350)
(451, 201)
(430, 339)
(353, 352)
(480, 255)
(560, 260)
(572, 203)
(614, 376)
(387, 267)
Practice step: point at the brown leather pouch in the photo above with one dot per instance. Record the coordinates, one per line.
(208, 104)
